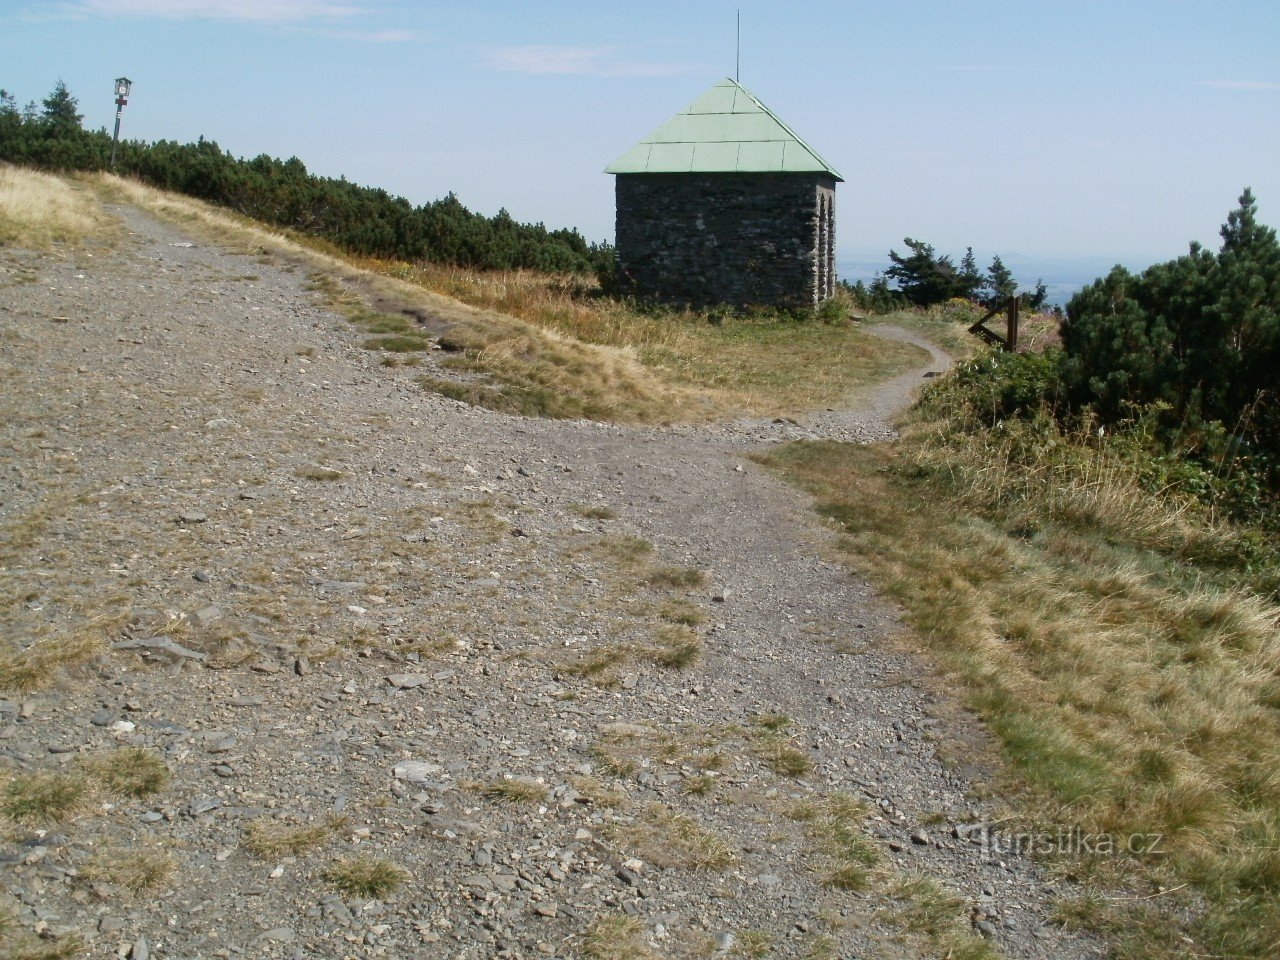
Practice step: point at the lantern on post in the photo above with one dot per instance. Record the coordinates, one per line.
(123, 86)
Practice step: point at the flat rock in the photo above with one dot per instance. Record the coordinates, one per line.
(159, 645)
(417, 771)
(407, 681)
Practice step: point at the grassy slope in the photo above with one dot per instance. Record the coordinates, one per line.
(38, 211)
(551, 346)
(1114, 645)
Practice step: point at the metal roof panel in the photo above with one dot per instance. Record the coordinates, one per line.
(712, 157)
(719, 99)
(688, 128)
(795, 159)
(759, 156)
(670, 158)
(635, 160)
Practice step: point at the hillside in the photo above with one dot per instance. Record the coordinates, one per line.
(306, 660)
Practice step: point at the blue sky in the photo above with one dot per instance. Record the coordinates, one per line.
(1117, 129)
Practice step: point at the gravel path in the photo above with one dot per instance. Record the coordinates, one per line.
(445, 638)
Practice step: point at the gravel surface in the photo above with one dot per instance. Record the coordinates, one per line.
(444, 638)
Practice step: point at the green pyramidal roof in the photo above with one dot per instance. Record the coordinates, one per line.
(726, 130)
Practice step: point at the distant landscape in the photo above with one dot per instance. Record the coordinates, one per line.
(1063, 278)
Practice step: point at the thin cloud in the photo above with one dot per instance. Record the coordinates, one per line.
(377, 36)
(579, 61)
(1240, 84)
(261, 11)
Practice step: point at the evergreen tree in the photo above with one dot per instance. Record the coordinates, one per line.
(1201, 333)
(970, 279)
(1000, 285)
(923, 277)
(61, 113)
(10, 118)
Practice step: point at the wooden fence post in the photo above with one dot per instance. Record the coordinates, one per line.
(1009, 342)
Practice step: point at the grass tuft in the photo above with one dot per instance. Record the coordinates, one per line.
(44, 798)
(665, 838)
(399, 344)
(616, 938)
(133, 772)
(599, 664)
(682, 612)
(676, 578)
(365, 876)
(677, 648)
(132, 870)
(782, 756)
(269, 838)
(834, 824)
(595, 512)
(39, 664)
(514, 790)
(319, 473)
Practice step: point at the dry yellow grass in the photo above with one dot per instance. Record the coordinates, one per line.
(616, 938)
(271, 838)
(665, 838)
(550, 346)
(132, 870)
(38, 210)
(1135, 691)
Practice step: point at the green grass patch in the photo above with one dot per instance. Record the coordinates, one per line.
(834, 824)
(676, 578)
(616, 938)
(133, 772)
(365, 876)
(134, 870)
(1126, 668)
(34, 799)
(665, 838)
(399, 344)
(677, 647)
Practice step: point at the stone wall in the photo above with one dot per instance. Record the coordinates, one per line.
(737, 238)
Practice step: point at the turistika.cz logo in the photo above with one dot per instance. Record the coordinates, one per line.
(1073, 840)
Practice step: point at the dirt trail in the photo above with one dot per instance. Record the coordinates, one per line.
(194, 451)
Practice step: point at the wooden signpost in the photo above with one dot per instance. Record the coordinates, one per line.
(1009, 342)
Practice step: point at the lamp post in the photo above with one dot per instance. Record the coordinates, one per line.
(123, 84)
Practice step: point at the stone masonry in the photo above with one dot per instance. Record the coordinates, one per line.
(744, 239)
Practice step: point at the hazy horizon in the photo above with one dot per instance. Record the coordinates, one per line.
(1062, 276)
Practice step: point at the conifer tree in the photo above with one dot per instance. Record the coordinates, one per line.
(60, 111)
(1000, 284)
(1201, 333)
(923, 277)
(969, 280)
